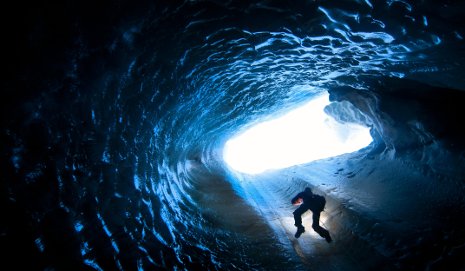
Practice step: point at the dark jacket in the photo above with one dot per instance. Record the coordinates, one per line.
(315, 203)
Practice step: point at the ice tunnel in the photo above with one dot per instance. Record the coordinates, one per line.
(116, 114)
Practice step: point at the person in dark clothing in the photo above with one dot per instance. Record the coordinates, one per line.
(314, 203)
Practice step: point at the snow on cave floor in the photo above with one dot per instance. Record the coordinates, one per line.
(382, 214)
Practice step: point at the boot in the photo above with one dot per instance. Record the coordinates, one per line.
(328, 238)
(300, 230)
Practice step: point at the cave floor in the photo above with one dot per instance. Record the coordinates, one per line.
(382, 215)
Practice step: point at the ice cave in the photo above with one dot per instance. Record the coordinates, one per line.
(129, 134)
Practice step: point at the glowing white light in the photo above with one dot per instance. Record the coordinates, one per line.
(301, 136)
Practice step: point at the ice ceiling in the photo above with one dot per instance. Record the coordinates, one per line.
(303, 135)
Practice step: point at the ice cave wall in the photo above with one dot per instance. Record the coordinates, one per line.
(412, 118)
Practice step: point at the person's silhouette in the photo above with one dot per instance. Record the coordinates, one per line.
(314, 203)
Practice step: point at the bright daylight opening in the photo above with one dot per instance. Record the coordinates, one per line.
(301, 136)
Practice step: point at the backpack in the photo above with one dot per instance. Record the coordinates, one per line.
(319, 202)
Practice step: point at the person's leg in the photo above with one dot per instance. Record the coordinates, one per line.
(298, 215)
(298, 220)
(320, 230)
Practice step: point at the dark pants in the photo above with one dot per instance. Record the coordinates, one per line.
(316, 220)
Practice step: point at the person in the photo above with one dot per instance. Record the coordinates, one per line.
(314, 203)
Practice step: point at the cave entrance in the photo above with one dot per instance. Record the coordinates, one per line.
(302, 135)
